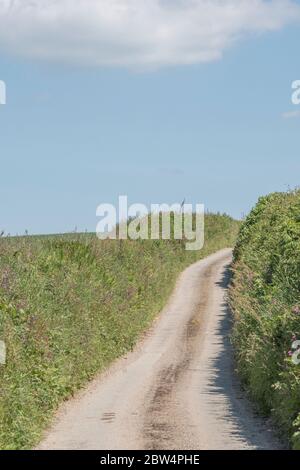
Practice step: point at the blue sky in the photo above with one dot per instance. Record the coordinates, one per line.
(74, 135)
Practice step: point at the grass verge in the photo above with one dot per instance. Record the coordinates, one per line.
(71, 305)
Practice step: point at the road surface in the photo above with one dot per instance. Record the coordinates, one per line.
(178, 389)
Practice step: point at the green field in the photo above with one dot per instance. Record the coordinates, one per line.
(265, 297)
(72, 304)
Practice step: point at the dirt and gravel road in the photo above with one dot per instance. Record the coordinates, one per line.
(178, 389)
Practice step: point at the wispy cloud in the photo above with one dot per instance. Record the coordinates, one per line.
(291, 114)
(171, 171)
(136, 32)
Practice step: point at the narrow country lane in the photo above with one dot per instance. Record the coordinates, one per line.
(178, 389)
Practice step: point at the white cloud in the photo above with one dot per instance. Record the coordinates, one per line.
(291, 114)
(136, 32)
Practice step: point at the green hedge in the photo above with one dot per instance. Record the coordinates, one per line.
(265, 298)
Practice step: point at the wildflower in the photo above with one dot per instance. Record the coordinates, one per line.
(296, 310)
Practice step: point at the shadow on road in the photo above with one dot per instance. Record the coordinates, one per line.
(248, 425)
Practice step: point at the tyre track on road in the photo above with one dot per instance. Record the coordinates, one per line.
(177, 389)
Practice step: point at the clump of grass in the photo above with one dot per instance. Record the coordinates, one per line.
(70, 305)
(265, 297)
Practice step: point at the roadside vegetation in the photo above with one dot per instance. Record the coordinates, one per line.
(265, 298)
(70, 305)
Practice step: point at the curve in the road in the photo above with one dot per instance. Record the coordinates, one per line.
(178, 389)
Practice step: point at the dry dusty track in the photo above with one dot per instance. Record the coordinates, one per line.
(177, 389)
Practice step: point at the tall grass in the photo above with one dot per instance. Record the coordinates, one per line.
(266, 301)
(71, 305)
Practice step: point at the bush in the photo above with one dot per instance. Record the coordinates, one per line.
(265, 298)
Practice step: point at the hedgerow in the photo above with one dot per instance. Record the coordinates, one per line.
(265, 298)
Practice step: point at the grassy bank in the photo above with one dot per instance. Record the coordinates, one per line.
(70, 305)
(266, 301)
